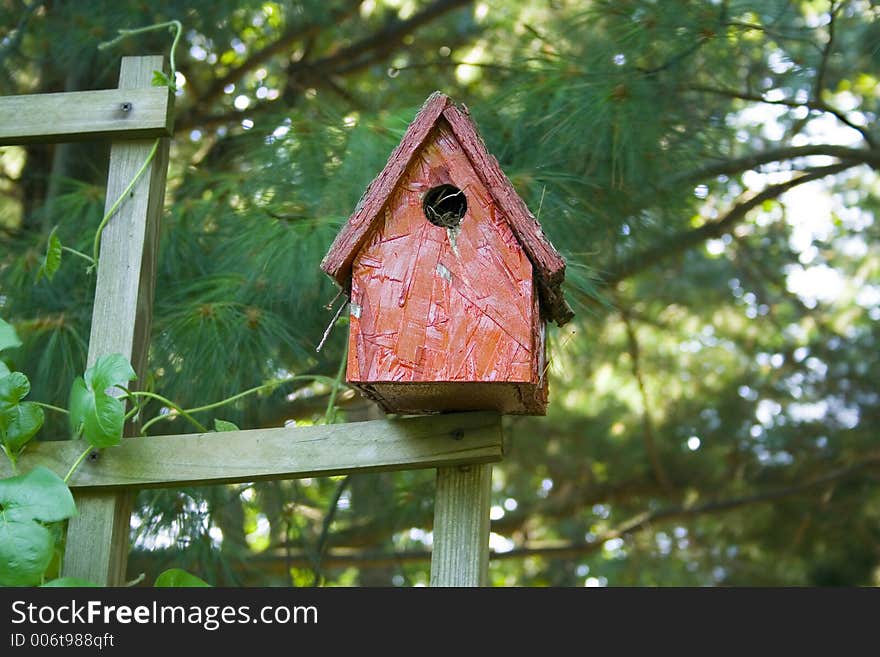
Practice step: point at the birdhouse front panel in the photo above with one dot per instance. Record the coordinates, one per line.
(442, 303)
(450, 278)
(444, 300)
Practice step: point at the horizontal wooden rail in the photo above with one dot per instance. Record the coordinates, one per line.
(289, 453)
(138, 113)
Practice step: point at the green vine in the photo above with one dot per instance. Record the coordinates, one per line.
(175, 26)
(82, 457)
(96, 246)
(54, 248)
(186, 412)
(31, 503)
(34, 504)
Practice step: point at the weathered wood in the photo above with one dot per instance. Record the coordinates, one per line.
(506, 397)
(439, 111)
(434, 304)
(134, 113)
(549, 265)
(337, 262)
(289, 453)
(460, 554)
(97, 539)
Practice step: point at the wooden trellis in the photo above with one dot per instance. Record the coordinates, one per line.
(460, 446)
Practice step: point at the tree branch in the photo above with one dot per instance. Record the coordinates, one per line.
(643, 519)
(454, 63)
(688, 51)
(343, 558)
(740, 164)
(325, 530)
(281, 44)
(647, 422)
(818, 105)
(822, 69)
(347, 60)
(770, 31)
(387, 39)
(712, 229)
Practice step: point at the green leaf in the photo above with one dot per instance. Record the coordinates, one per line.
(70, 582)
(99, 414)
(52, 257)
(36, 495)
(19, 424)
(78, 406)
(223, 425)
(110, 371)
(26, 546)
(25, 552)
(177, 578)
(4, 371)
(13, 388)
(19, 421)
(161, 80)
(8, 336)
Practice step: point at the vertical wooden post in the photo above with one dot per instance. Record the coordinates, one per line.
(461, 526)
(97, 540)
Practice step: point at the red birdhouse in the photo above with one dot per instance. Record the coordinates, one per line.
(450, 278)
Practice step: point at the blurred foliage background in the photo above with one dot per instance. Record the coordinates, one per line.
(708, 168)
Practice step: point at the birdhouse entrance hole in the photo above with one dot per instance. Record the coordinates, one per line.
(445, 206)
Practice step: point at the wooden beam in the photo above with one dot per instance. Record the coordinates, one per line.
(290, 453)
(97, 539)
(135, 113)
(460, 554)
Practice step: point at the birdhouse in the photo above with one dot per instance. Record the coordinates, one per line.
(450, 278)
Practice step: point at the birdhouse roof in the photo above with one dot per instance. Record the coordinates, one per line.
(548, 265)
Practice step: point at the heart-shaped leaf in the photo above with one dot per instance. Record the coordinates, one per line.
(93, 408)
(36, 495)
(177, 578)
(19, 424)
(223, 425)
(19, 421)
(26, 546)
(99, 416)
(8, 336)
(25, 552)
(13, 388)
(109, 371)
(52, 257)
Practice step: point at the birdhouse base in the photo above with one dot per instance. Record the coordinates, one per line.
(453, 396)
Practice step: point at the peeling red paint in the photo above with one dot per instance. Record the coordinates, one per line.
(460, 133)
(431, 312)
(447, 318)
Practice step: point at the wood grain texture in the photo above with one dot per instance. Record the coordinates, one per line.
(337, 262)
(137, 113)
(549, 266)
(284, 453)
(457, 396)
(460, 555)
(97, 539)
(430, 304)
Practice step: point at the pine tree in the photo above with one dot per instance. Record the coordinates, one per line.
(714, 407)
